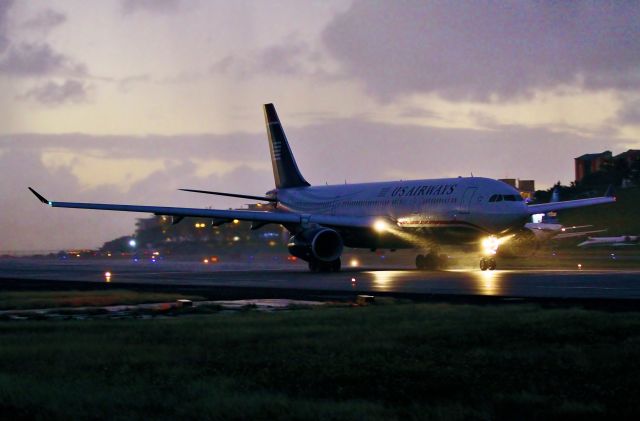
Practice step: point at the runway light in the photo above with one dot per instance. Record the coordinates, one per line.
(353, 280)
(235, 221)
(354, 263)
(380, 225)
(579, 266)
(205, 261)
(107, 276)
(236, 238)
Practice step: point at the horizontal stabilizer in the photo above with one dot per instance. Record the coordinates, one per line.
(242, 196)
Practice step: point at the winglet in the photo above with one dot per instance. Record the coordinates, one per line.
(40, 197)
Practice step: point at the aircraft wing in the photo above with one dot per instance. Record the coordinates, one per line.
(275, 217)
(569, 204)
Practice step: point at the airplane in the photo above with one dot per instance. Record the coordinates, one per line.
(620, 241)
(419, 214)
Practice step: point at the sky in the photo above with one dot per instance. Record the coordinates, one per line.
(125, 101)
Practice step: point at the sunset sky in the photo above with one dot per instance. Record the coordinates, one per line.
(126, 101)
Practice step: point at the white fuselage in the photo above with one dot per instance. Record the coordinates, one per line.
(475, 205)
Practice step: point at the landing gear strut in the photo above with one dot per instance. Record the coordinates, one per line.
(318, 266)
(487, 263)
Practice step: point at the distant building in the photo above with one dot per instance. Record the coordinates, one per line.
(593, 162)
(631, 156)
(526, 188)
(590, 163)
(509, 181)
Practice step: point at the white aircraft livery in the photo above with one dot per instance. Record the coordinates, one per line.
(419, 214)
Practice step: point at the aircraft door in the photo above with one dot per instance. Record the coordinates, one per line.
(467, 197)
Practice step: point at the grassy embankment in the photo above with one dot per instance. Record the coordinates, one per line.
(409, 361)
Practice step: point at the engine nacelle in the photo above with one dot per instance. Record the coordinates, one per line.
(322, 244)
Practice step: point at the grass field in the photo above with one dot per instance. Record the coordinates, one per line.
(396, 361)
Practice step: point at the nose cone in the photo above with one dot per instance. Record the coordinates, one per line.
(513, 216)
(518, 216)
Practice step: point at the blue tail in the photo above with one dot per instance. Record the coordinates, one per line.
(285, 170)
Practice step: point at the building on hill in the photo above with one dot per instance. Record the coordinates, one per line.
(623, 166)
(631, 156)
(590, 163)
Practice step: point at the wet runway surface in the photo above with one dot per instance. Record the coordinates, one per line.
(577, 284)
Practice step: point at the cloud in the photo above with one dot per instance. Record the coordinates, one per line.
(293, 57)
(38, 59)
(52, 93)
(152, 6)
(5, 5)
(28, 225)
(630, 113)
(486, 50)
(126, 84)
(45, 21)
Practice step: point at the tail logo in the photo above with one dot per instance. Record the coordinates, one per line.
(277, 149)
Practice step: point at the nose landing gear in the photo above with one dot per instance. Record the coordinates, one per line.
(487, 263)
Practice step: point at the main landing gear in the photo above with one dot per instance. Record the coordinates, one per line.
(431, 261)
(318, 266)
(487, 263)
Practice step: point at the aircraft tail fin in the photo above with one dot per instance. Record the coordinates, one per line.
(285, 169)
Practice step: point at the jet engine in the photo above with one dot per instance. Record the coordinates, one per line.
(319, 244)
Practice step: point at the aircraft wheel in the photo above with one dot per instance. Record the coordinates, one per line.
(492, 264)
(484, 265)
(431, 261)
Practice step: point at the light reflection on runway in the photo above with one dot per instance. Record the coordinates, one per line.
(385, 280)
(623, 284)
(488, 282)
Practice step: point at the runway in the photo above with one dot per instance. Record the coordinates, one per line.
(573, 284)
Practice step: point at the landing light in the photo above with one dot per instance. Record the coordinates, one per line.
(491, 244)
(380, 225)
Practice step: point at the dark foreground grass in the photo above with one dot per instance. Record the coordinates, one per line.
(11, 300)
(412, 361)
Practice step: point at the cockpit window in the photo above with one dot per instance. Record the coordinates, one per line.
(513, 198)
(506, 198)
